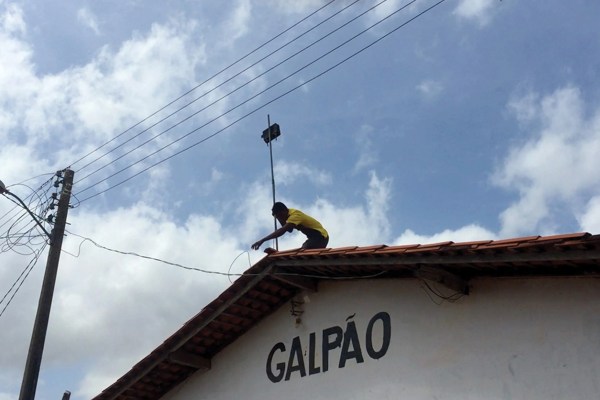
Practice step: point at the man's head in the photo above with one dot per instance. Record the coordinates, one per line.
(280, 211)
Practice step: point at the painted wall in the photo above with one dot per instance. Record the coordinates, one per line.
(509, 339)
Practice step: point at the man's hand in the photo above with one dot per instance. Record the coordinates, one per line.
(257, 245)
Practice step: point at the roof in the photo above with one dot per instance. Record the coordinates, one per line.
(278, 277)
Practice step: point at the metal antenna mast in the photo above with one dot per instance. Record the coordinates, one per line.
(272, 132)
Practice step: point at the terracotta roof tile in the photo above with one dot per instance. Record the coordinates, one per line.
(509, 242)
(396, 249)
(429, 247)
(339, 250)
(282, 253)
(468, 245)
(368, 249)
(548, 240)
(475, 243)
(313, 251)
(578, 235)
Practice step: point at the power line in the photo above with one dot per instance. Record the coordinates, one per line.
(33, 193)
(264, 104)
(21, 279)
(131, 253)
(247, 100)
(211, 272)
(23, 232)
(215, 88)
(208, 79)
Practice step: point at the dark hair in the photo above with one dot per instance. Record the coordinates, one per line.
(278, 207)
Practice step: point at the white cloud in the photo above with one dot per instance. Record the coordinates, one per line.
(430, 89)
(385, 9)
(463, 234)
(206, 188)
(287, 173)
(295, 7)
(557, 166)
(17, 80)
(476, 10)
(525, 107)
(367, 154)
(88, 19)
(11, 21)
(96, 101)
(358, 224)
(589, 220)
(238, 22)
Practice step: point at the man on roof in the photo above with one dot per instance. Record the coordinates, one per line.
(290, 218)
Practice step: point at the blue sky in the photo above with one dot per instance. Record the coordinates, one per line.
(479, 119)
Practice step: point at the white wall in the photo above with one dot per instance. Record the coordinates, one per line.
(509, 339)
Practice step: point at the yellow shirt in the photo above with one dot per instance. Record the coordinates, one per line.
(305, 223)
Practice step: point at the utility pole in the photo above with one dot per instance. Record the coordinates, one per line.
(38, 336)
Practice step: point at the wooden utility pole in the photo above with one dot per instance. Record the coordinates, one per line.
(38, 336)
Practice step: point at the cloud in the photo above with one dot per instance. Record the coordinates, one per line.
(557, 166)
(88, 19)
(289, 172)
(479, 11)
(589, 220)
(464, 234)
(17, 80)
(371, 217)
(238, 22)
(295, 7)
(94, 102)
(11, 21)
(367, 154)
(430, 89)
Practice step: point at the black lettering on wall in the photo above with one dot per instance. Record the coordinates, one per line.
(351, 340)
(296, 361)
(327, 345)
(312, 347)
(280, 367)
(387, 334)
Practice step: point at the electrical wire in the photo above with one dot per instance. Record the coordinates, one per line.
(16, 286)
(222, 84)
(26, 199)
(258, 108)
(234, 260)
(428, 289)
(264, 104)
(209, 79)
(131, 253)
(24, 227)
(212, 272)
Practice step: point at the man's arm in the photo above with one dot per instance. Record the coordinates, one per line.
(288, 227)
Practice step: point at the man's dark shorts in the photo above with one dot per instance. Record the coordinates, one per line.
(316, 242)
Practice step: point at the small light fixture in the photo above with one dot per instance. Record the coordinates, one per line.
(274, 133)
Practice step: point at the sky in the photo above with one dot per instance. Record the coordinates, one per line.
(402, 122)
